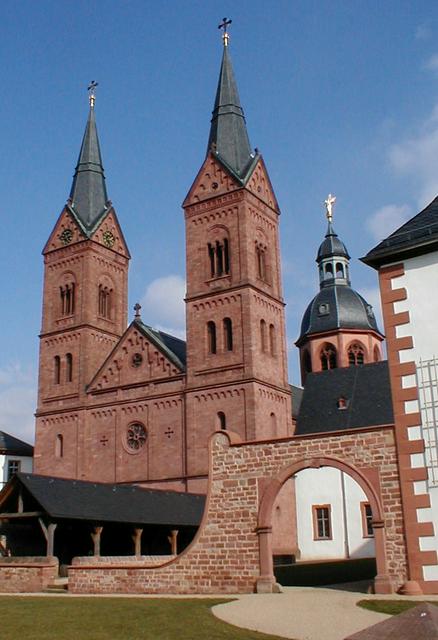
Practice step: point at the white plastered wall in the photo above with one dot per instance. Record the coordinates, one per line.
(421, 283)
(324, 487)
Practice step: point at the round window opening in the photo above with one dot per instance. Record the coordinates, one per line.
(136, 436)
(137, 359)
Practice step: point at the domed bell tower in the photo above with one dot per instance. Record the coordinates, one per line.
(339, 328)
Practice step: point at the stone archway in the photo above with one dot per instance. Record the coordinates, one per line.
(266, 582)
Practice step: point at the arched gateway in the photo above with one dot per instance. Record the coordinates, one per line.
(266, 582)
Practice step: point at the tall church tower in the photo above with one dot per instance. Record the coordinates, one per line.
(84, 307)
(339, 328)
(236, 347)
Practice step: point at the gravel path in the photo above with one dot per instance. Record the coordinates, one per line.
(304, 613)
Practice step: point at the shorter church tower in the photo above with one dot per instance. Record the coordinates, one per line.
(84, 308)
(339, 328)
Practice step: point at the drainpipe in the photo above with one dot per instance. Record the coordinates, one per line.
(344, 513)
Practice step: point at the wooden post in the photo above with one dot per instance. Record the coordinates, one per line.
(136, 537)
(49, 534)
(96, 533)
(172, 541)
(20, 502)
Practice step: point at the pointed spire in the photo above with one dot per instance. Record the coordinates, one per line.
(228, 136)
(88, 196)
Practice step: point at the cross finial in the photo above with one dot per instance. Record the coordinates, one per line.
(223, 25)
(91, 92)
(329, 206)
(137, 308)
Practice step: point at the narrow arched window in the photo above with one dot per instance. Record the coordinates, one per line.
(226, 256)
(104, 301)
(211, 259)
(328, 357)
(261, 262)
(211, 336)
(273, 419)
(356, 355)
(59, 446)
(228, 334)
(57, 369)
(69, 367)
(67, 298)
(263, 335)
(329, 270)
(376, 354)
(339, 270)
(218, 258)
(272, 340)
(222, 421)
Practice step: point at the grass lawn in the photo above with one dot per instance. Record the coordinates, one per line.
(391, 607)
(65, 618)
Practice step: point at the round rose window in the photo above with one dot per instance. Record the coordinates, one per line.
(136, 436)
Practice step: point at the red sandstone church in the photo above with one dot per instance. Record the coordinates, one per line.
(126, 414)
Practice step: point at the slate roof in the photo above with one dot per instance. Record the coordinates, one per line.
(101, 502)
(88, 201)
(417, 236)
(419, 622)
(228, 138)
(337, 307)
(331, 245)
(297, 396)
(9, 445)
(365, 388)
(174, 348)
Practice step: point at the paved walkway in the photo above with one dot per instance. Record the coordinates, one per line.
(304, 613)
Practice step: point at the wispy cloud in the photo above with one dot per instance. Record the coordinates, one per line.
(431, 63)
(18, 390)
(416, 156)
(423, 32)
(387, 219)
(163, 304)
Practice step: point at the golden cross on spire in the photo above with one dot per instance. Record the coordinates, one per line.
(91, 92)
(223, 25)
(329, 206)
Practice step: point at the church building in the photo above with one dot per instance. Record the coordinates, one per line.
(210, 426)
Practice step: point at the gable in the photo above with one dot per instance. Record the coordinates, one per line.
(211, 181)
(109, 234)
(260, 184)
(137, 358)
(66, 231)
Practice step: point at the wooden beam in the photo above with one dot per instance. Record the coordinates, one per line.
(136, 537)
(96, 533)
(24, 514)
(172, 541)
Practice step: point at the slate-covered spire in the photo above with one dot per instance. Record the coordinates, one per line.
(228, 136)
(88, 197)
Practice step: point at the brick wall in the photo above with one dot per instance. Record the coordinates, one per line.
(224, 556)
(27, 575)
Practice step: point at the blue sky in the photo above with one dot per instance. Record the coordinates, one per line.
(339, 97)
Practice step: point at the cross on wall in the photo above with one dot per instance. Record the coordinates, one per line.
(169, 433)
(104, 441)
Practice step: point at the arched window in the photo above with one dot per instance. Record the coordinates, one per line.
(222, 421)
(211, 336)
(261, 266)
(104, 302)
(228, 334)
(67, 297)
(263, 335)
(219, 258)
(69, 367)
(57, 369)
(376, 354)
(339, 270)
(356, 354)
(272, 340)
(273, 419)
(328, 271)
(59, 446)
(328, 357)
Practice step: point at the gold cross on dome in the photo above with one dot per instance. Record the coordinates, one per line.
(223, 25)
(329, 202)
